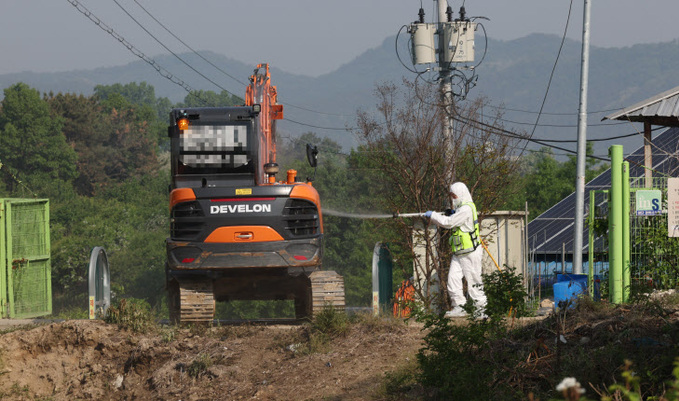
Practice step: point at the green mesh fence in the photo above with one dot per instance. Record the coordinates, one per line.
(26, 258)
(654, 257)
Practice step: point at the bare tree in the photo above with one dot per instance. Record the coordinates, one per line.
(416, 162)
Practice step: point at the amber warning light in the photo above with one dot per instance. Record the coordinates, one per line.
(183, 124)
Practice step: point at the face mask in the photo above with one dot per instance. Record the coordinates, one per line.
(456, 203)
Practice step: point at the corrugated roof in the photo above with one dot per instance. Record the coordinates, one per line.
(553, 228)
(661, 109)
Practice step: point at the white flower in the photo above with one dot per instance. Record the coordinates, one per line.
(569, 382)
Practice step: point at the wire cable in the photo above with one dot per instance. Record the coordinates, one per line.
(551, 75)
(162, 71)
(173, 53)
(220, 69)
(348, 129)
(551, 113)
(187, 46)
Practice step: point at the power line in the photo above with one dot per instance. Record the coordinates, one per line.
(171, 52)
(315, 126)
(559, 125)
(187, 46)
(610, 138)
(550, 113)
(551, 75)
(162, 71)
(503, 132)
(208, 61)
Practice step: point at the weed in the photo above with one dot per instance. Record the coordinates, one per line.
(331, 322)
(369, 322)
(316, 337)
(132, 314)
(168, 333)
(72, 312)
(200, 365)
(401, 384)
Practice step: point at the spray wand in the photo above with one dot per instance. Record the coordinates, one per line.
(396, 215)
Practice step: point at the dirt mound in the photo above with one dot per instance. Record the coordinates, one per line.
(95, 360)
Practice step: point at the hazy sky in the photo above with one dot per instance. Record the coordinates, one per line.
(300, 36)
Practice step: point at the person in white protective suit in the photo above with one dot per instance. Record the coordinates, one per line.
(467, 251)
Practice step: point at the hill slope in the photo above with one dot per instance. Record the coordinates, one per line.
(513, 74)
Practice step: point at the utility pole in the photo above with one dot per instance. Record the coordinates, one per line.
(445, 74)
(454, 44)
(582, 147)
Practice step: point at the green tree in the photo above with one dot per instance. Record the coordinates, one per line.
(32, 145)
(85, 129)
(203, 98)
(131, 141)
(154, 111)
(141, 94)
(114, 139)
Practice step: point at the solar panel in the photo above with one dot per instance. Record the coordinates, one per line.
(548, 232)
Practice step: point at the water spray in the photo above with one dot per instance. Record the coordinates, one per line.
(394, 215)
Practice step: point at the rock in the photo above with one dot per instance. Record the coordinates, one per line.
(546, 303)
(118, 382)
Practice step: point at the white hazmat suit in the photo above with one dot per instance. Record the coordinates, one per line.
(468, 265)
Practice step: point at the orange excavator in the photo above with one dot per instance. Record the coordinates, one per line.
(236, 232)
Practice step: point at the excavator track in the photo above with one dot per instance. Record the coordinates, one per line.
(194, 301)
(327, 289)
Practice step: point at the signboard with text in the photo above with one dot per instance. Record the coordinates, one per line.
(648, 202)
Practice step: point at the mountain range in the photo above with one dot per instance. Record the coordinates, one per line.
(513, 75)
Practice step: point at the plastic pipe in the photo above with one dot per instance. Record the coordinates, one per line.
(590, 254)
(625, 232)
(615, 226)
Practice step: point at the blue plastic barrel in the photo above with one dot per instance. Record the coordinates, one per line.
(568, 287)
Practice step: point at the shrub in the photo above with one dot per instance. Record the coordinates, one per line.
(331, 322)
(132, 314)
(506, 293)
(454, 361)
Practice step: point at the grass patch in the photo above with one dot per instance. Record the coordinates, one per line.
(401, 384)
(370, 323)
(317, 335)
(133, 315)
(331, 322)
(199, 366)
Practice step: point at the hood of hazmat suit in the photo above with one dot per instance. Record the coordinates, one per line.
(462, 192)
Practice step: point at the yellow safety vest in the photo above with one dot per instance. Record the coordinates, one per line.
(463, 242)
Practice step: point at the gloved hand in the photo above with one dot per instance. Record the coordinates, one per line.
(449, 212)
(428, 213)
